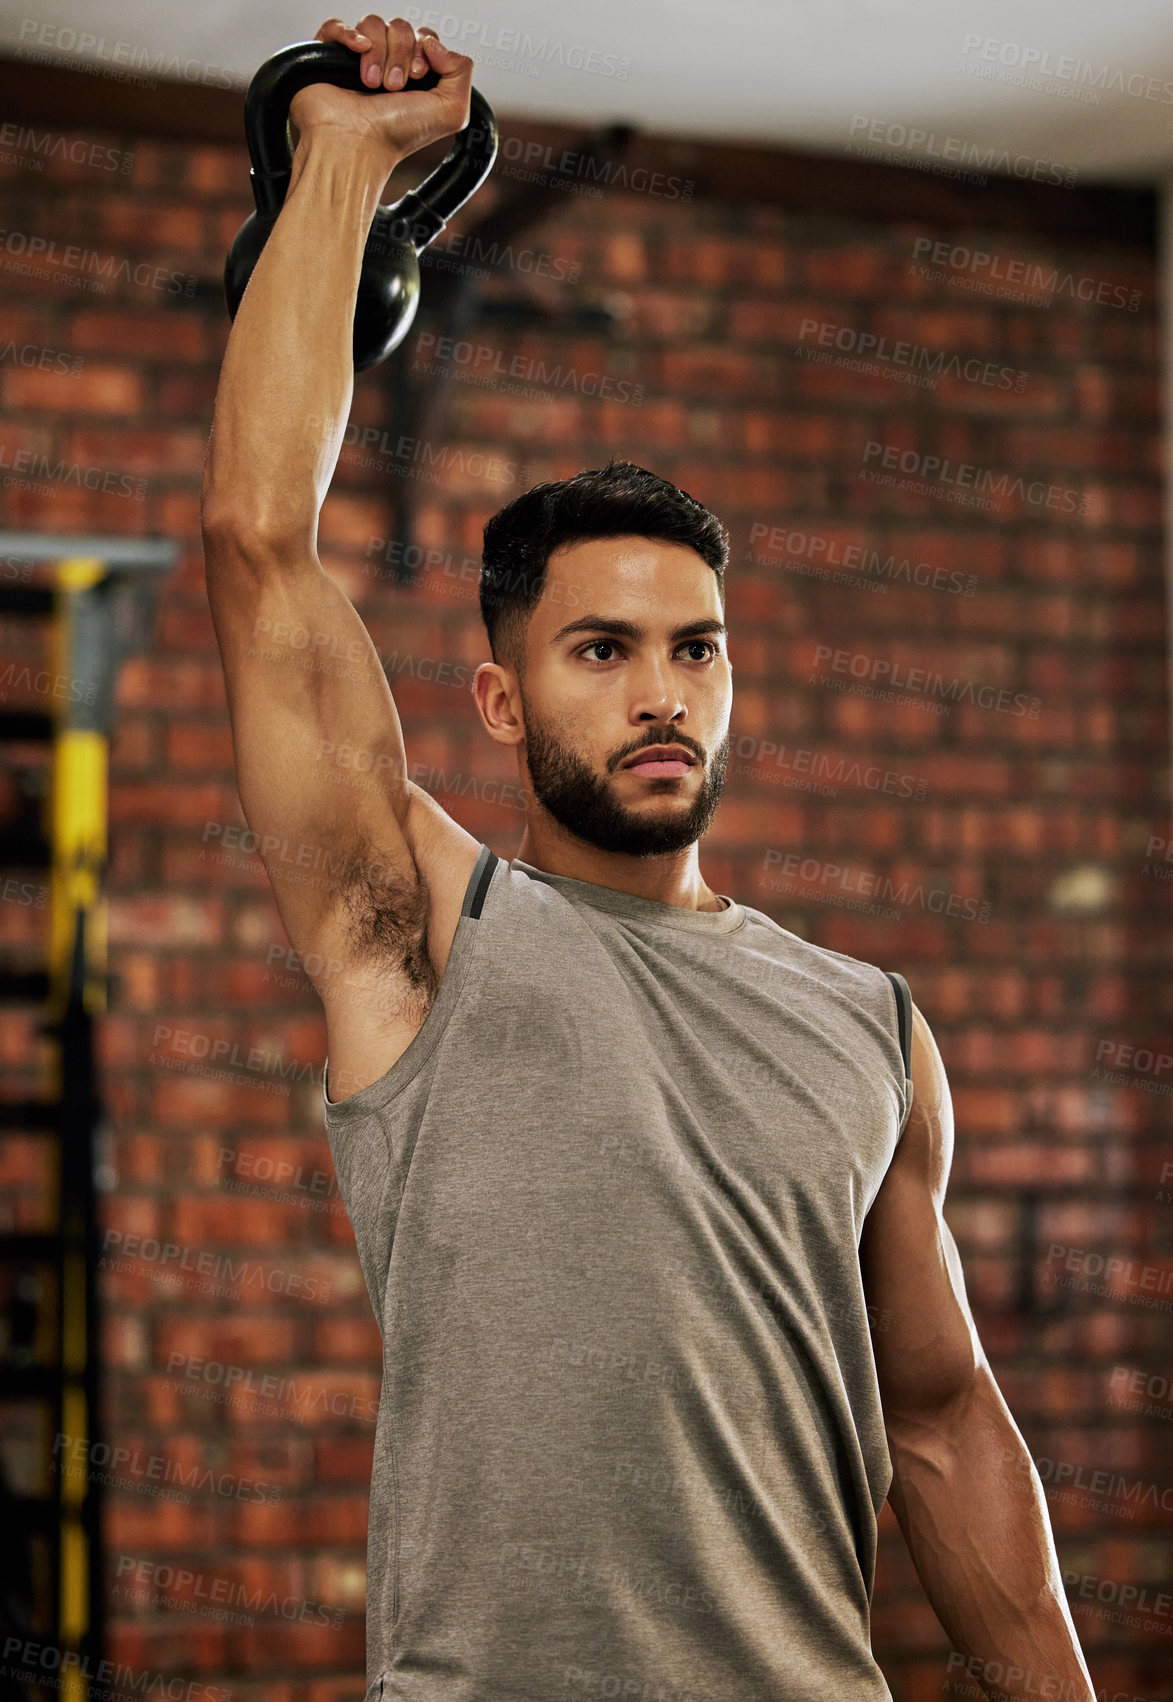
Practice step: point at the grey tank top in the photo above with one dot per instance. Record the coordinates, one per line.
(608, 1206)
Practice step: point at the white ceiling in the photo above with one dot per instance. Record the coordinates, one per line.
(796, 73)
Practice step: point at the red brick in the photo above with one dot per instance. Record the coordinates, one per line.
(254, 1341)
(710, 303)
(154, 449)
(151, 226)
(171, 336)
(96, 389)
(199, 747)
(173, 920)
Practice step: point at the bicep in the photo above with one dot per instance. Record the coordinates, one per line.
(928, 1349)
(320, 761)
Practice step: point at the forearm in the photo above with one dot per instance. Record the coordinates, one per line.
(972, 1510)
(288, 372)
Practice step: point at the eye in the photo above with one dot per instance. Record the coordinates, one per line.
(599, 644)
(612, 644)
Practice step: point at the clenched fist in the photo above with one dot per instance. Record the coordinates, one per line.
(396, 122)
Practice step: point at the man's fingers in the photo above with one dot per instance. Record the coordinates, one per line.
(392, 52)
(335, 30)
(400, 52)
(419, 63)
(374, 60)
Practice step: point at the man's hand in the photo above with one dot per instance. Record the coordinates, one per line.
(394, 123)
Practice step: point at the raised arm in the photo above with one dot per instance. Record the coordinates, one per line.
(964, 1488)
(304, 680)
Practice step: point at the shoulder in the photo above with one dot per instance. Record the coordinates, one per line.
(839, 970)
(925, 1147)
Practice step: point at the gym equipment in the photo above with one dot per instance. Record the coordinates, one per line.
(90, 605)
(388, 291)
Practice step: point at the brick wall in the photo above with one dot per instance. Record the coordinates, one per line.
(1008, 792)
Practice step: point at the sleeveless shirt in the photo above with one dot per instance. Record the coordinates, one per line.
(608, 1206)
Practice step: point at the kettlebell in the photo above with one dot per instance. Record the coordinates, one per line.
(388, 290)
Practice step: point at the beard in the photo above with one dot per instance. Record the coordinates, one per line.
(586, 805)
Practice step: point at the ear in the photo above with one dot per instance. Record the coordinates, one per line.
(498, 700)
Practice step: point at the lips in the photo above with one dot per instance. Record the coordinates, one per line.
(659, 770)
(660, 761)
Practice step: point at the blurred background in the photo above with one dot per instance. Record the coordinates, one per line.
(882, 282)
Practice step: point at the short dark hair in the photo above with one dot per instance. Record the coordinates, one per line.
(615, 501)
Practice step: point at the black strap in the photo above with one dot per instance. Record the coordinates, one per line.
(478, 882)
(903, 1017)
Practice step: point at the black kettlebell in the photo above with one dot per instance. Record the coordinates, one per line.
(388, 290)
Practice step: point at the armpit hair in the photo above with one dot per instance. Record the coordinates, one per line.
(386, 918)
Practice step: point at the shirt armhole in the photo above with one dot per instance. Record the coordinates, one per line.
(904, 1027)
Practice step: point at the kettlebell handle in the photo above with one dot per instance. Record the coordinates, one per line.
(422, 213)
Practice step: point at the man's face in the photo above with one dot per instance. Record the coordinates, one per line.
(626, 650)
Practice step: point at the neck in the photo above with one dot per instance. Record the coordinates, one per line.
(673, 878)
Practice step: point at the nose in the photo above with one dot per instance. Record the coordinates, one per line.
(656, 697)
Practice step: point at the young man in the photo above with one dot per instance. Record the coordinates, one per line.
(649, 1210)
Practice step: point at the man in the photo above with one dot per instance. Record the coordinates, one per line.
(648, 1208)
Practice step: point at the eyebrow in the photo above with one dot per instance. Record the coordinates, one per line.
(629, 629)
